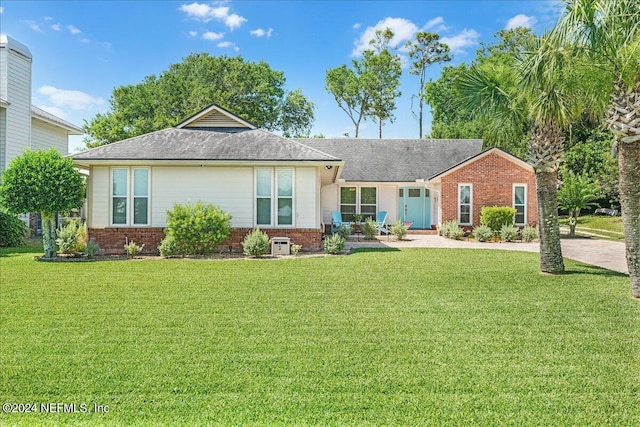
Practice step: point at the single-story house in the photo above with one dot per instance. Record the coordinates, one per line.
(288, 187)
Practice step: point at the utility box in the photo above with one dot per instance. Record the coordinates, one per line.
(280, 246)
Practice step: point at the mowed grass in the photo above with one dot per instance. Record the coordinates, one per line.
(605, 226)
(410, 337)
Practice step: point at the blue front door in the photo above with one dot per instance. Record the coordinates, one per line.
(415, 206)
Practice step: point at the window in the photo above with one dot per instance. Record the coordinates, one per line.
(130, 196)
(520, 203)
(464, 204)
(274, 197)
(362, 200)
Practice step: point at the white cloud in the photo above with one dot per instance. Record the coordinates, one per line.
(205, 13)
(48, 18)
(73, 30)
(436, 24)
(261, 33)
(227, 44)
(210, 35)
(55, 27)
(357, 26)
(193, 33)
(521, 21)
(403, 30)
(73, 99)
(458, 43)
(85, 40)
(1, 10)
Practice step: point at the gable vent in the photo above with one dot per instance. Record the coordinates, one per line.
(214, 120)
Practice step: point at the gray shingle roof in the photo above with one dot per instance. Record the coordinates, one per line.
(396, 160)
(214, 144)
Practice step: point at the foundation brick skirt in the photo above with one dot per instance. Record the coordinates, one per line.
(112, 240)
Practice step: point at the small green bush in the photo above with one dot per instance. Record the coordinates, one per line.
(334, 244)
(344, 231)
(132, 249)
(198, 228)
(529, 234)
(451, 230)
(256, 243)
(91, 249)
(71, 238)
(482, 233)
(369, 229)
(495, 217)
(508, 232)
(12, 230)
(295, 249)
(399, 230)
(168, 247)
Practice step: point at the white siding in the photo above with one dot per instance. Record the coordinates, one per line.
(99, 198)
(388, 201)
(3, 137)
(45, 135)
(306, 198)
(329, 201)
(228, 187)
(17, 69)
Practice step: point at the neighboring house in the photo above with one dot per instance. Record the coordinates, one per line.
(23, 125)
(289, 187)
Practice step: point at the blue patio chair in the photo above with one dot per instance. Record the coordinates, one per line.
(381, 219)
(336, 221)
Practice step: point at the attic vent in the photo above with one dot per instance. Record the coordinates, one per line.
(214, 120)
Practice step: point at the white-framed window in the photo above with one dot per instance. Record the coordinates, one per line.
(520, 203)
(130, 196)
(465, 204)
(358, 199)
(274, 197)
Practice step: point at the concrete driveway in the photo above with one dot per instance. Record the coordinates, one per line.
(601, 253)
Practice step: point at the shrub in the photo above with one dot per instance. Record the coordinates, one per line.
(91, 249)
(168, 247)
(12, 230)
(495, 217)
(482, 233)
(71, 237)
(399, 230)
(344, 231)
(369, 229)
(508, 232)
(451, 230)
(295, 249)
(334, 244)
(132, 249)
(529, 233)
(198, 228)
(256, 243)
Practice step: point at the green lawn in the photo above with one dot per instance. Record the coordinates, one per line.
(410, 337)
(604, 226)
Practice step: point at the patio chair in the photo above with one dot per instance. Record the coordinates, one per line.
(336, 221)
(381, 219)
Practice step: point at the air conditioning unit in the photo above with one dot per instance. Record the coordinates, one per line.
(280, 246)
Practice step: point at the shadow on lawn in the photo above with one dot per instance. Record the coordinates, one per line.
(595, 271)
(374, 249)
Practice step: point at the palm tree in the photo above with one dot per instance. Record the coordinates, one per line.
(527, 95)
(577, 192)
(607, 32)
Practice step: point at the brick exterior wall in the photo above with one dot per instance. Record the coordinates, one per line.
(112, 240)
(492, 177)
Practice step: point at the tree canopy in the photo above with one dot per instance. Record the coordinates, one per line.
(253, 91)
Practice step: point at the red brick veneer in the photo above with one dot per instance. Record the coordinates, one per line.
(492, 177)
(112, 240)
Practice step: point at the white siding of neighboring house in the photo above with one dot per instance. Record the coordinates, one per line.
(45, 135)
(98, 197)
(16, 89)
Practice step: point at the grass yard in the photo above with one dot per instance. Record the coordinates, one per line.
(399, 337)
(604, 226)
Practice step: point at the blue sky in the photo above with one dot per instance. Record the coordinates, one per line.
(83, 50)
